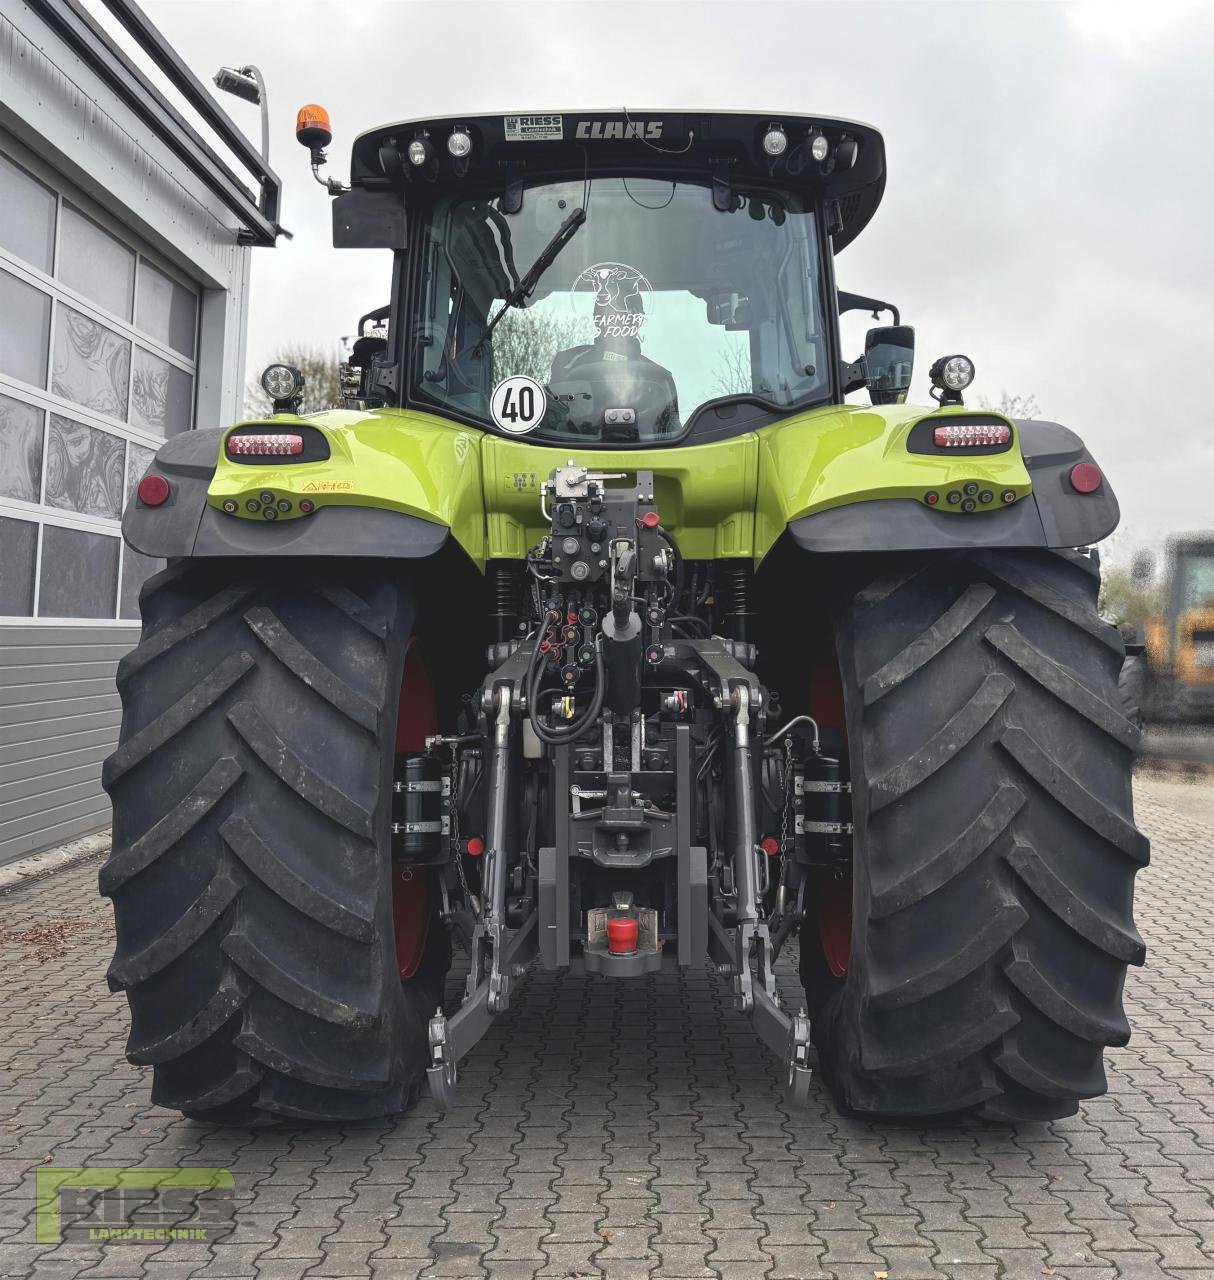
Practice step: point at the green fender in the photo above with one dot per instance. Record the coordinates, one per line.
(373, 483)
(398, 483)
(860, 478)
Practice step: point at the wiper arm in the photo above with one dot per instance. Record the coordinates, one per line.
(545, 259)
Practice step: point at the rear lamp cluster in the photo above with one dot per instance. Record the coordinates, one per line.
(265, 444)
(969, 435)
(970, 496)
(268, 506)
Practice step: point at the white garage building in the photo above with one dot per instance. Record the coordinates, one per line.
(124, 261)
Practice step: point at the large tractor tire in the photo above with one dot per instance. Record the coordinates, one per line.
(1133, 686)
(995, 846)
(251, 874)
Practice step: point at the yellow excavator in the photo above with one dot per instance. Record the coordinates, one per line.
(1169, 673)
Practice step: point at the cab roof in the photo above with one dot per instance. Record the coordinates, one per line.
(720, 147)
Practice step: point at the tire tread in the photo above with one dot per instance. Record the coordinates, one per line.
(250, 867)
(995, 842)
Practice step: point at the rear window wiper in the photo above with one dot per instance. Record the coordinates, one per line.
(546, 257)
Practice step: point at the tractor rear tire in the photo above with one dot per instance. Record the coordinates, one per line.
(995, 846)
(250, 872)
(1133, 686)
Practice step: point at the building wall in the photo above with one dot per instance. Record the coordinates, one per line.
(122, 322)
(59, 718)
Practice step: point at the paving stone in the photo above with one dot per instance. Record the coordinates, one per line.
(648, 1112)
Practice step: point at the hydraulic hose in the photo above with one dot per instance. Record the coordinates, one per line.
(796, 720)
(679, 567)
(686, 620)
(573, 731)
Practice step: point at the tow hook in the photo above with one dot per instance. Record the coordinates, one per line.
(441, 1074)
(799, 1073)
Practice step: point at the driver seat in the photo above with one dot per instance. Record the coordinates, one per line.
(612, 373)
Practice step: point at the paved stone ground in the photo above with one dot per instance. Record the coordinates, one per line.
(630, 1130)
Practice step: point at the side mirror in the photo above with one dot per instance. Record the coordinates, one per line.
(889, 359)
(732, 310)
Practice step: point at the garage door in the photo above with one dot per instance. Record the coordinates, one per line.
(98, 341)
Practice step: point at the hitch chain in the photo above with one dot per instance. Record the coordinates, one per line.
(786, 814)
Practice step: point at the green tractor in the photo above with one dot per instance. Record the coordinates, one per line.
(595, 631)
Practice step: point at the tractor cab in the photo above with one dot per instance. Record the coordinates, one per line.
(618, 279)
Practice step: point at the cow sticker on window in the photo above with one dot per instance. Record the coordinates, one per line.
(621, 298)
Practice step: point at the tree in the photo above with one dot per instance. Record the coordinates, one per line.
(1128, 601)
(1012, 406)
(322, 387)
(732, 374)
(525, 342)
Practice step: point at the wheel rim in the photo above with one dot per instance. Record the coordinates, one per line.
(410, 918)
(834, 924)
(416, 720)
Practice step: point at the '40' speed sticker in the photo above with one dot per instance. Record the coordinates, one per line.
(518, 405)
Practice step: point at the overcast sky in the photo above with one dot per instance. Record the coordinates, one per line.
(1049, 207)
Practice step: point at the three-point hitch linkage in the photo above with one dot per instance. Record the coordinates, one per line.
(629, 792)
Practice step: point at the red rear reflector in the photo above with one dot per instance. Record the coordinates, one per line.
(770, 846)
(622, 935)
(1085, 477)
(153, 491)
(965, 435)
(476, 846)
(264, 446)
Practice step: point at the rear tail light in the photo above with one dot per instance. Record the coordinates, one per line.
(966, 435)
(153, 491)
(265, 445)
(1085, 477)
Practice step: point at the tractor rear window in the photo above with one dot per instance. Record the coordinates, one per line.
(1195, 571)
(615, 328)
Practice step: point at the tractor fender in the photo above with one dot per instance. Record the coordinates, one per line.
(187, 526)
(1053, 515)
